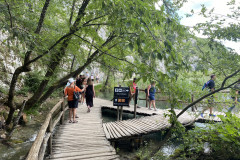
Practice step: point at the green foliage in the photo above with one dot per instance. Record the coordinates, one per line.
(221, 139)
(144, 153)
(3, 90)
(31, 82)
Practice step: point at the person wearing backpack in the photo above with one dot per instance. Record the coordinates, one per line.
(211, 86)
(72, 91)
(235, 94)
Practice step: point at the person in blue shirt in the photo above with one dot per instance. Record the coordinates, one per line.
(211, 87)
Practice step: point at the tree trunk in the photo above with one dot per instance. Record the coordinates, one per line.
(10, 115)
(62, 82)
(24, 67)
(56, 58)
(107, 80)
(11, 92)
(72, 63)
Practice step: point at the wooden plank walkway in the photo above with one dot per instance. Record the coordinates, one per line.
(84, 140)
(88, 139)
(146, 125)
(146, 112)
(141, 126)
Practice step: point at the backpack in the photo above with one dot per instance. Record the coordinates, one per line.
(146, 91)
(75, 95)
(205, 85)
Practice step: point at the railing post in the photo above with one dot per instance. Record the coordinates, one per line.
(135, 102)
(121, 112)
(62, 110)
(50, 129)
(146, 100)
(117, 113)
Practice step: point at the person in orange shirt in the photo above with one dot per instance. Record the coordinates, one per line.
(133, 87)
(72, 103)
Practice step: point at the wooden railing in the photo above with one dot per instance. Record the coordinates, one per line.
(43, 141)
(165, 99)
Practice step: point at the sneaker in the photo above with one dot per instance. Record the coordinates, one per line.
(202, 115)
(155, 109)
(212, 115)
(150, 108)
(76, 116)
(138, 107)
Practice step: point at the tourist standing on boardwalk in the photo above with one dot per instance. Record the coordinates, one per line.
(87, 75)
(90, 94)
(235, 94)
(72, 101)
(211, 87)
(78, 81)
(133, 87)
(151, 90)
(97, 78)
(84, 83)
(92, 77)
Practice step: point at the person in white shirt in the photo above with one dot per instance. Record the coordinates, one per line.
(87, 75)
(92, 77)
(97, 78)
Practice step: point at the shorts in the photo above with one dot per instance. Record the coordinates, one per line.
(97, 79)
(151, 97)
(92, 79)
(211, 101)
(73, 104)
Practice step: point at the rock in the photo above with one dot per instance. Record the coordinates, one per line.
(1, 125)
(3, 136)
(23, 119)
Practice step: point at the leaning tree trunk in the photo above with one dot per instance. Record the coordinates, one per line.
(56, 58)
(62, 82)
(107, 80)
(24, 68)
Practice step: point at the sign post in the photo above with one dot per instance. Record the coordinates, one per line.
(121, 98)
(135, 102)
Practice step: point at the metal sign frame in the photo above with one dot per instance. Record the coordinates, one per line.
(121, 96)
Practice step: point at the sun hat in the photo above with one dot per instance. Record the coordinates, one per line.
(71, 80)
(68, 84)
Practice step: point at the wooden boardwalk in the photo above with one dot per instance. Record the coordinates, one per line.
(146, 112)
(84, 140)
(141, 126)
(88, 139)
(152, 122)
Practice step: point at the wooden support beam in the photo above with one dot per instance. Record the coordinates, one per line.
(63, 110)
(49, 130)
(117, 113)
(121, 113)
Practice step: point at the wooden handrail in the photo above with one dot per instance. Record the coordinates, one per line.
(45, 133)
(192, 97)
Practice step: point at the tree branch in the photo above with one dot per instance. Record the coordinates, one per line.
(71, 16)
(97, 24)
(93, 19)
(104, 52)
(41, 20)
(211, 93)
(80, 14)
(50, 48)
(10, 15)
